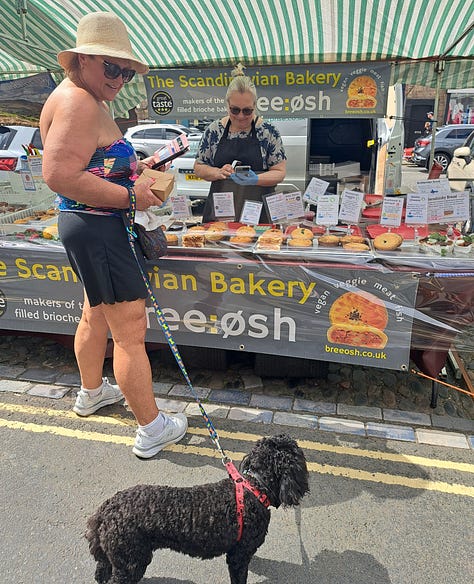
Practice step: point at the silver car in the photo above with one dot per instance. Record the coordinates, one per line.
(147, 138)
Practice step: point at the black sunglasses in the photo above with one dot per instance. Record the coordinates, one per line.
(112, 71)
(247, 111)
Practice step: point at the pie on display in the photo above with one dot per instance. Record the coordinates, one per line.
(360, 308)
(361, 93)
(358, 319)
(357, 335)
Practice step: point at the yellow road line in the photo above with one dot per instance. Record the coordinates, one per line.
(359, 452)
(356, 474)
(118, 420)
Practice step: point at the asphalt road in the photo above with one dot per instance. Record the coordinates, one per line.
(378, 512)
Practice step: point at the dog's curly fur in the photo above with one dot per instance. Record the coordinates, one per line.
(199, 521)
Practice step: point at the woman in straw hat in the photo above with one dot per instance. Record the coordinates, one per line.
(87, 161)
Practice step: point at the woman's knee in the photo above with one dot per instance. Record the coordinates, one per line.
(127, 322)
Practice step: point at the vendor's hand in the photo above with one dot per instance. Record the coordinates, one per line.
(145, 196)
(246, 179)
(224, 172)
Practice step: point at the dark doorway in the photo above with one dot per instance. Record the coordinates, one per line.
(415, 118)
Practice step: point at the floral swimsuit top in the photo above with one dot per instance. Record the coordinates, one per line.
(116, 163)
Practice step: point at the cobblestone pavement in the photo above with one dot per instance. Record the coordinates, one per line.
(332, 397)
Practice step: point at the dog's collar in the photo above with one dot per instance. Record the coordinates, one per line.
(254, 475)
(240, 484)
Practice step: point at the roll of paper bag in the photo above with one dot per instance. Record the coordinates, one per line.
(163, 185)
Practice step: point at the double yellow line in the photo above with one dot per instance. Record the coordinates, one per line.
(309, 446)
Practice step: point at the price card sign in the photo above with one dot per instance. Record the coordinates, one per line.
(224, 204)
(251, 212)
(436, 203)
(294, 206)
(417, 209)
(28, 181)
(315, 188)
(392, 209)
(36, 166)
(276, 205)
(328, 207)
(456, 207)
(179, 206)
(434, 186)
(351, 204)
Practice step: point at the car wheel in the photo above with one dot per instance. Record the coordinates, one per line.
(141, 155)
(443, 159)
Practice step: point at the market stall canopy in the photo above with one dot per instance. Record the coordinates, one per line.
(429, 42)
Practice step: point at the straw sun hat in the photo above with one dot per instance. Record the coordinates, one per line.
(102, 33)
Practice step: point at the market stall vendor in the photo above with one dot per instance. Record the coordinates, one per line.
(244, 137)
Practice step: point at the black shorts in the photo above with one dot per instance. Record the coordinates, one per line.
(99, 252)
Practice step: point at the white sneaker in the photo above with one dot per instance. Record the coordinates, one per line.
(86, 405)
(175, 428)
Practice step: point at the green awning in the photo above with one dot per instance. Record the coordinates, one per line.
(411, 34)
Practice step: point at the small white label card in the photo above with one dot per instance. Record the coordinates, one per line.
(327, 212)
(36, 166)
(294, 206)
(180, 206)
(417, 209)
(315, 188)
(351, 205)
(435, 185)
(251, 212)
(224, 204)
(392, 209)
(436, 203)
(456, 207)
(28, 181)
(276, 207)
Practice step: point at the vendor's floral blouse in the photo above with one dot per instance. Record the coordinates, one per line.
(268, 136)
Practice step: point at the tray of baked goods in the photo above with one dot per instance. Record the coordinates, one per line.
(215, 238)
(426, 246)
(338, 244)
(30, 224)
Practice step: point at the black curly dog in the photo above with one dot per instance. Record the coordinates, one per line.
(199, 521)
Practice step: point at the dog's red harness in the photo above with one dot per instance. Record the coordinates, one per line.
(240, 485)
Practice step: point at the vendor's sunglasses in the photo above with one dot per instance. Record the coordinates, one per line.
(247, 111)
(112, 71)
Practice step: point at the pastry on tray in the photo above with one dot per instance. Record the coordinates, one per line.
(355, 246)
(301, 233)
(171, 238)
(329, 240)
(240, 240)
(388, 241)
(193, 239)
(300, 242)
(352, 239)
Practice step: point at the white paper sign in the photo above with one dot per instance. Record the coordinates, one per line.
(28, 181)
(36, 166)
(327, 212)
(417, 209)
(224, 204)
(251, 212)
(294, 206)
(436, 185)
(276, 207)
(179, 206)
(392, 209)
(315, 188)
(436, 203)
(351, 204)
(456, 207)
